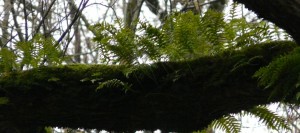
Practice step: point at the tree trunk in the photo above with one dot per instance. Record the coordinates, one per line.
(284, 13)
(4, 23)
(132, 13)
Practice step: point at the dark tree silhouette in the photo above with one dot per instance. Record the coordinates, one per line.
(285, 14)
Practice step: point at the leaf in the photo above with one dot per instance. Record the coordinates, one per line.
(271, 76)
(7, 60)
(227, 123)
(114, 83)
(269, 118)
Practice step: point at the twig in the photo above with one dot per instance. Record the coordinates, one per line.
(78, 13)
(26, 20)
(44, 17)
(18, 29)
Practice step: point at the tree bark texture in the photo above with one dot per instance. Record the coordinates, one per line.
(171, 96)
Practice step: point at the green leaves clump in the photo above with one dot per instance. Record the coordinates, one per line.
(228, 123)
(183, 36)
(7, 60)
(114, 83)
(282, 75)
(38, 50)
(30, 54)
(269, 118)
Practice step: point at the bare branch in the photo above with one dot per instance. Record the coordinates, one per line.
(26, 21)
(44, 17)
(77, 15)
(16, 23)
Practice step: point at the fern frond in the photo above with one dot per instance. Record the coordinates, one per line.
(114, 83)
(228, 123)
(233, 11)
(282, 75)
(7, 60)
(269, 118)
(212, 25)
(37, 50)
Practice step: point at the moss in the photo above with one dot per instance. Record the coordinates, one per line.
(172, 96)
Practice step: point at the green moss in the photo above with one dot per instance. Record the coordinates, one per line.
(177, 96)
(3, 100)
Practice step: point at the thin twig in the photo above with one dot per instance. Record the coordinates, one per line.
(78, 13)
(18, 29)
(44, 17)
(26, 20)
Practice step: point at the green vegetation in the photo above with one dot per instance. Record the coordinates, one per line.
(183, 36)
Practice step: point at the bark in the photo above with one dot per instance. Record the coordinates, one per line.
(132, 13)
(284, 13)
(77, 35)
(4, 23)
(171, 96)
(15, 20)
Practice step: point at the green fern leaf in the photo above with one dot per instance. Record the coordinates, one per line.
(269, 118)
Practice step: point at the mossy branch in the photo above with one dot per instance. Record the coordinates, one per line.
(172, 96)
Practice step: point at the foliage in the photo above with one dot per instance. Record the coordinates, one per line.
(230, 124)
(282, 76)
(114, 83)
(269, 118)
(7, 60)
(183, 36)
(30, 54)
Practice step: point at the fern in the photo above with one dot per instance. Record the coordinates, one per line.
(269, 118)
(183, 36)
(282, 75)
(230, 124)
(114, 83)
(233, 11)
(37, 50)
(227, 123)
(212, 25)
(7, 60)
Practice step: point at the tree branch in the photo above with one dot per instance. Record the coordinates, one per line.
(172, 96)
(16, 23)
(77, 15)
(26, 20)
(44, 17)
(285, 14)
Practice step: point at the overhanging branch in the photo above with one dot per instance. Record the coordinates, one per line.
(172, 96)
(284, 13)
